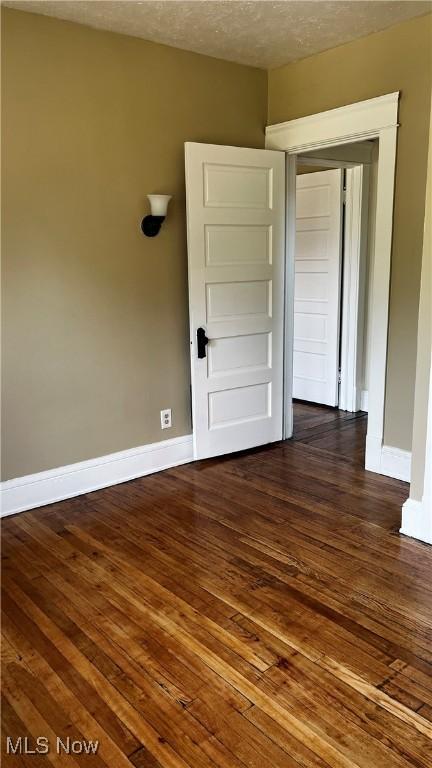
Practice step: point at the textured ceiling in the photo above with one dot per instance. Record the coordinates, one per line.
(261, 33)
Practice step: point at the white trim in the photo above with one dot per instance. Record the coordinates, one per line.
(324, 163)
(290, 239)
(380, 284)
(417, 520)
(85, 476)
(364, 400)
(427, 483)
(348, 154)
(305, 160)
(353, 290)
(344, 125)
(374, 118)
(392, 462)
(417, 515)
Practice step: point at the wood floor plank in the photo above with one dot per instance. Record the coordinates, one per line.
(13, 728)
(250, 610)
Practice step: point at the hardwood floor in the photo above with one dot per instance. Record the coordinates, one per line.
(258, 610)
(336, 432)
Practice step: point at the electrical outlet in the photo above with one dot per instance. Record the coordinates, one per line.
(166, 418)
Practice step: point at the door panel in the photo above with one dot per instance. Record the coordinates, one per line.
(228, 186)
(236, 244)
(238, 353)
(317, 286)
(234, 406)
(232, 300)
(229, 245)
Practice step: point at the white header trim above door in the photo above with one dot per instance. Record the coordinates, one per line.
(374, 118)
(354, 122)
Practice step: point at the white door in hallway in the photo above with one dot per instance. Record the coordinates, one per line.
(236, 246)
(317, 286)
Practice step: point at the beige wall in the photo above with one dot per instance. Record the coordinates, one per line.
(424, 351)
(95, 333)
(95, 337)
(397, 59)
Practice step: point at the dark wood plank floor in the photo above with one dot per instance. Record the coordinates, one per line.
(338, 433)
(259, 610)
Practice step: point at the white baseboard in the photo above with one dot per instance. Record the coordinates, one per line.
(417, 520)
(364, 400)
(387, 460)
(85, 476)
(66, 482)
(396, 463)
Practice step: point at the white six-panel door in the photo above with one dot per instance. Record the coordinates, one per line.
(235, 217)
(317, 286)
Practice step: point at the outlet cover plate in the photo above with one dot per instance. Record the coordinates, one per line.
(166, 420)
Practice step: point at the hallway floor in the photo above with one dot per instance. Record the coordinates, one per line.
(337, 433)
(255, 610)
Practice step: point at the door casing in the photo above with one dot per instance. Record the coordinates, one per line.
(371, 119)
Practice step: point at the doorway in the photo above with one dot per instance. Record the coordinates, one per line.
(372, 119)
(317, 284)
(242, 278)
(335, 215)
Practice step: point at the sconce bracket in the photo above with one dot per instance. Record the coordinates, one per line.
(151, 225)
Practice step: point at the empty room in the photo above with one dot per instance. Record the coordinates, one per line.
(216, 390)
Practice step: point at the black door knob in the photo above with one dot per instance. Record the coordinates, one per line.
(202, 342)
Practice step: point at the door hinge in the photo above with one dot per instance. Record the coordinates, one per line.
(339, 377)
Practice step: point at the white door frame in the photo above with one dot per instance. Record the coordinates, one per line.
(374, 118)
(354, 285)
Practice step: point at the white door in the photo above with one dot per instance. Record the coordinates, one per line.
(236, 245)
(317, 286)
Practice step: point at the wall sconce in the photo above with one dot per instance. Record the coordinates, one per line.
(151, 224)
